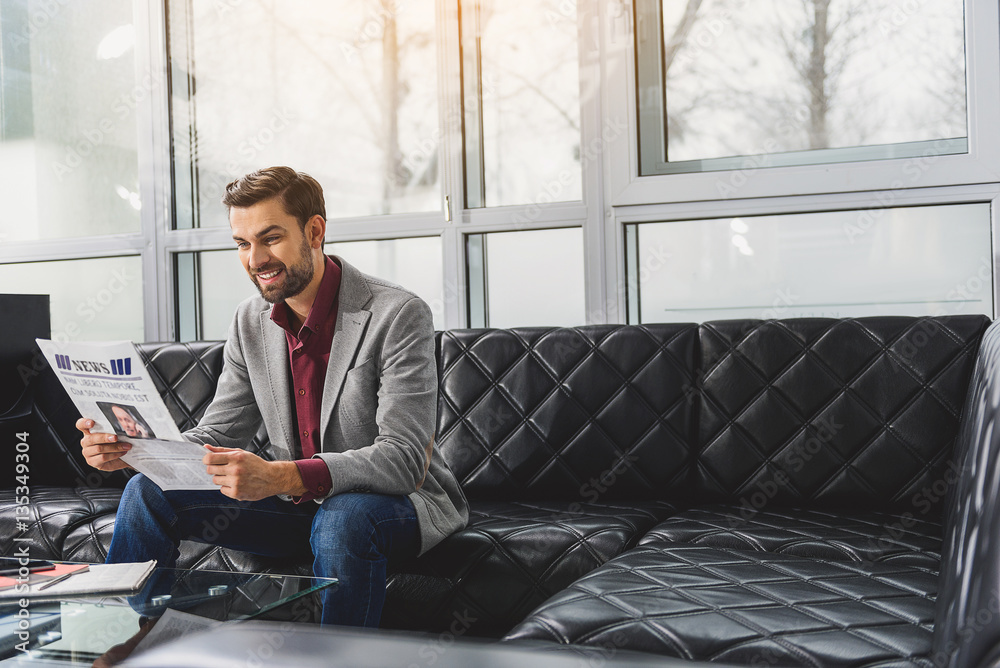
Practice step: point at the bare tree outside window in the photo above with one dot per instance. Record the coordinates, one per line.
(346, 91)
(748, 78)
(530, 101)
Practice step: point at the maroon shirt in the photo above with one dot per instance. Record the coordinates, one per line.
(308, 355)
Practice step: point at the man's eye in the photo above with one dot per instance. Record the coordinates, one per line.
(271, 240)
(241, 244)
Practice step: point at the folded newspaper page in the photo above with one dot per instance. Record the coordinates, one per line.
(109, 385)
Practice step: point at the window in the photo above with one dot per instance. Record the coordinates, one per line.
(71, 209)
(345, 91)
(932, 260)
(522, 102)
(68, 98)
(798, 83)
(413, 263)
(91, 300)
(213, 283)
(527, 278)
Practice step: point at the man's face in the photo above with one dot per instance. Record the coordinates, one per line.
(125, 421)
(273, 249)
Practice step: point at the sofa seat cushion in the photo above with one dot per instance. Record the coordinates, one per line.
(851, 536)
(509, 559)
(746, 607)
(53, 513)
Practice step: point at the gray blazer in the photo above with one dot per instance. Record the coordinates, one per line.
(379, 402)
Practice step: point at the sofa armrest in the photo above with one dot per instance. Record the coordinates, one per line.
(967, 619)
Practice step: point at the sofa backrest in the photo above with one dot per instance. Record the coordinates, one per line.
(834, 413)
(818, 412)
(585, 413)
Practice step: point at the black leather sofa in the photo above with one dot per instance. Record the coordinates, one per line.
(799, 492)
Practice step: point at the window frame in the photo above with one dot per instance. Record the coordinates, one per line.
(613, 193)
(980, 165)
(774, 190)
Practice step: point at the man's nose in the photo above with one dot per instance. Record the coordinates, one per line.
(259, 257)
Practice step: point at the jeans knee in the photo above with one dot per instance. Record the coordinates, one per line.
(352, 519)
(140, 487)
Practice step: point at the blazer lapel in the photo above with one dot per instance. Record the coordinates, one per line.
(279, 375)
(352, 320)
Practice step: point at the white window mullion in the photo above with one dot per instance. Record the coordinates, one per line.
(153, 129)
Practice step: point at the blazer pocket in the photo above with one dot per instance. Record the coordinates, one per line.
(359, 398)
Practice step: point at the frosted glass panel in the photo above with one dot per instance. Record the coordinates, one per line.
(224, 284)
(68, 100)
(90, 300)
(415, 264)
(535, 278)
(905, 261)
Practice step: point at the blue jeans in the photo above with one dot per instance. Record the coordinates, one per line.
(351, 537)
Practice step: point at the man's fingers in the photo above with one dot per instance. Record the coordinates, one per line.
(113, 465)
(106, 457)
(106, 447)
(94, 439)
(215, 459)
(84, 425)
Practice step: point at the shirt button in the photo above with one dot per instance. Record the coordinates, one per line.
(305, 433)
(301, 392)
(320, 488)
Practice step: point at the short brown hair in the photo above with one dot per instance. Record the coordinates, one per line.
(300, 194)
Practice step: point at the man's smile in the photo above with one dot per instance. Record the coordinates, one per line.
(269, 276)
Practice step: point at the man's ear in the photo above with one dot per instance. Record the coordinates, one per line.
(316, 231)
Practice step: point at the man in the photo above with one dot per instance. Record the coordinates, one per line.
(339, 367)
(129, 425)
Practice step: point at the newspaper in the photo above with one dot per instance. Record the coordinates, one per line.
(172, 625)
(109, 385)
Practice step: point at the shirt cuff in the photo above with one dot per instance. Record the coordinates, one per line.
(315, 476)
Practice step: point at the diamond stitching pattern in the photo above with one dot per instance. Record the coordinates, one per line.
(511, 391)
(535, 549)
(567, 412)
(859, 537)
(716, 604)
(840, 479)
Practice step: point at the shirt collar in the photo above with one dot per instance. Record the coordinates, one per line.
(322, 307)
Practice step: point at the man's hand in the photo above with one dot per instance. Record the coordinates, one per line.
(244, 476)
(102, 451)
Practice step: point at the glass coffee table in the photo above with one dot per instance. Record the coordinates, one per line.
(80, 630)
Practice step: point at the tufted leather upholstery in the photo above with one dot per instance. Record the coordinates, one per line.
(826, 439)
(746, 607)
(54, 513)
(536, 414)
(854, 536)
(510, 559)
(831, 413)
(967, 632)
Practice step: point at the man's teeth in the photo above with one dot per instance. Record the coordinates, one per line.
(270, 274)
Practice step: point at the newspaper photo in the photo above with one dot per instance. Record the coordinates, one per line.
(109, 385)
